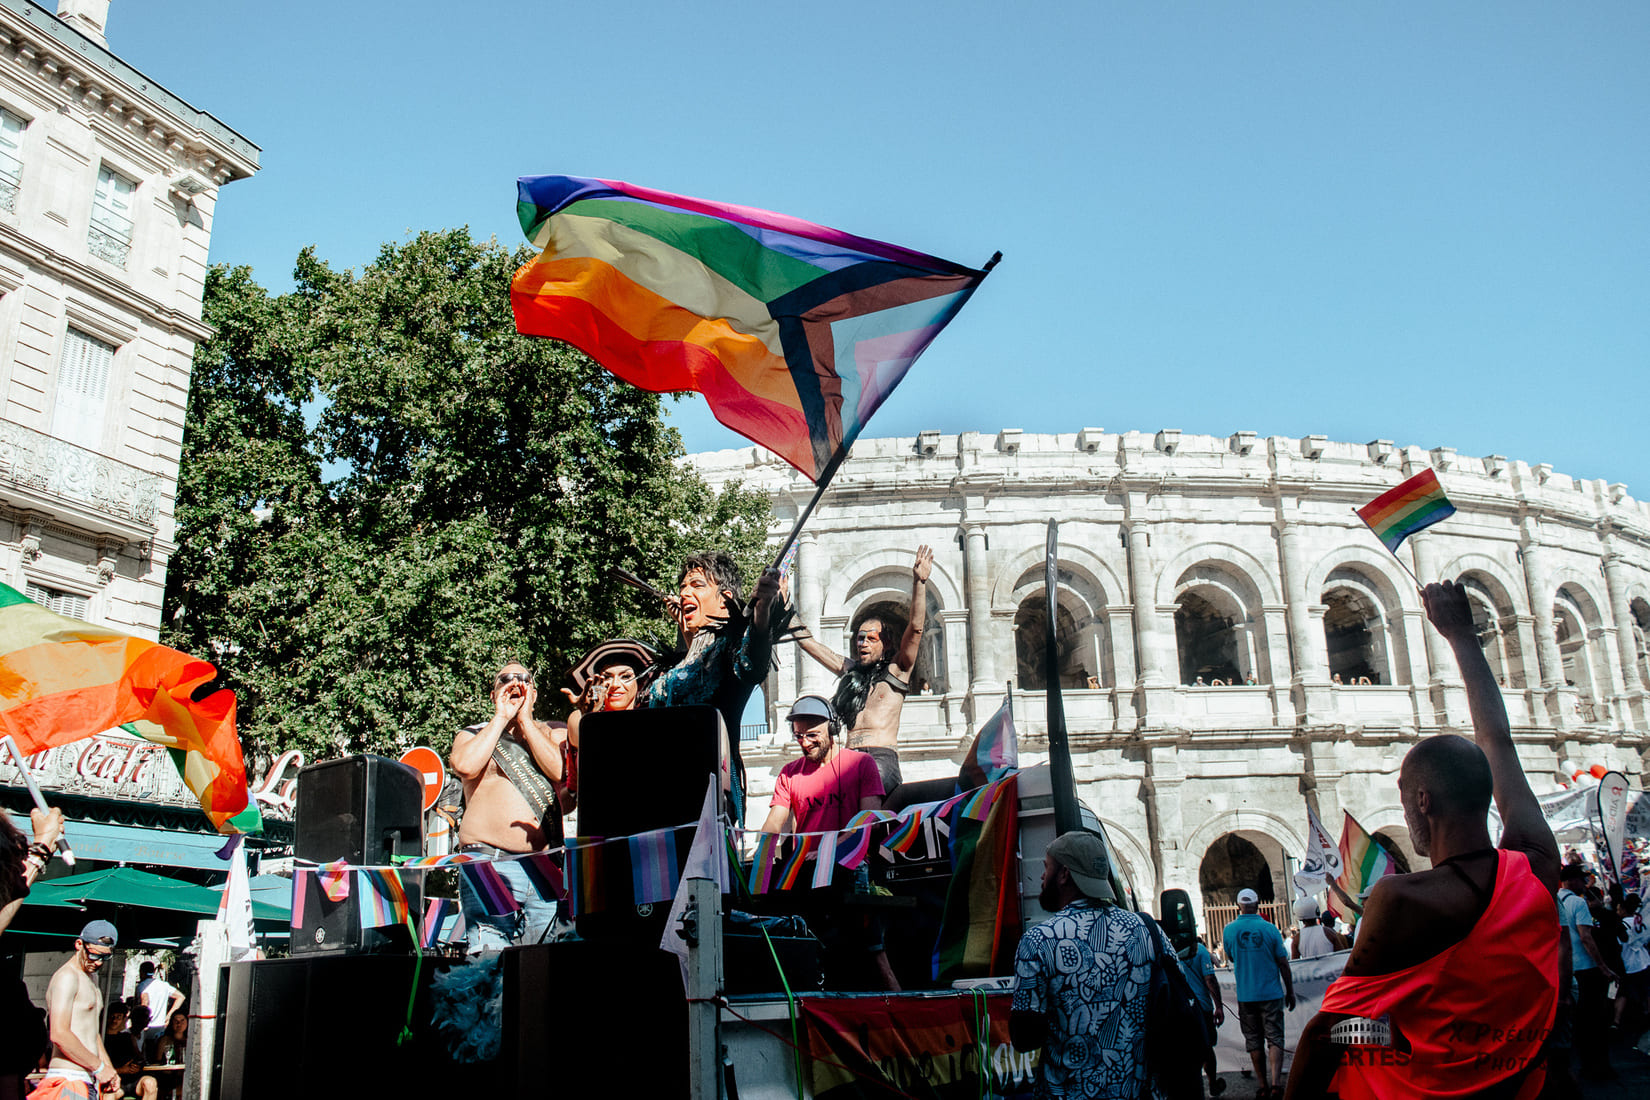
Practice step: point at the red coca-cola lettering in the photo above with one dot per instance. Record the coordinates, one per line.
(114, 762)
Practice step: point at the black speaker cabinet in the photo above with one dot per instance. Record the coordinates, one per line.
(363, 809)
(641, 770)
(334, 927)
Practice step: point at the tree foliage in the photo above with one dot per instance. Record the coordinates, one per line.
(489, 481)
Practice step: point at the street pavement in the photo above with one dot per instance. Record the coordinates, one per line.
(1632, 1069)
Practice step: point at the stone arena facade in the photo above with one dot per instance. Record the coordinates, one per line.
(1233, 642)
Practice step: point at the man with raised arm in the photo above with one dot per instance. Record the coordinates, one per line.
(74, 1015)
(872, 687)
(509, 765)
(1453, 981)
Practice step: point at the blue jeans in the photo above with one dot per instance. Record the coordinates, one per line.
(484, 931)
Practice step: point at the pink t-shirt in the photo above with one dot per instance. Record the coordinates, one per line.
(824, 796)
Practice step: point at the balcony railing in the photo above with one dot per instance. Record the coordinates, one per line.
(41, 463)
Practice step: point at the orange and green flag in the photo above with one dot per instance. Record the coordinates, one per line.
(63, 680)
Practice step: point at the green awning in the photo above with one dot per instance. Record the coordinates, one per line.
(123, 886)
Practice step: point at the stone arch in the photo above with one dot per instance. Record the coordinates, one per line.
(1577, 623)
(1639, 608)
(1396, 589)
(1105, 587)
(1387, 823)
(1137, 863)
(1231, 558)
(1495, 618)
(849, 577)
(1503, 584)
(1363, 628)
(1250, 819)
(1217, 626)
(1239, 860)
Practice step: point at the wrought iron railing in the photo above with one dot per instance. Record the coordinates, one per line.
(36, 461)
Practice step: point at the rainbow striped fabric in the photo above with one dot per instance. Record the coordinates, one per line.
(1363, 861)
(795, 333)
(62, 680)
(1413, 506)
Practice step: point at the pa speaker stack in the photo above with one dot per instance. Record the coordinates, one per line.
(364, 810)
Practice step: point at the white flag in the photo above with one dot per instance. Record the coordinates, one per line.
(707, 858)
(235, 910)
(1321, 847)
(1612, 814)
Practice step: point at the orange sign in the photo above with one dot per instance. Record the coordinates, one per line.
(428, 766)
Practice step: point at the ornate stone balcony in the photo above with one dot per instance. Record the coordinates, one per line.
(52, 474)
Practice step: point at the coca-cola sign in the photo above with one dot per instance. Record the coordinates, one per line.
(109, 765)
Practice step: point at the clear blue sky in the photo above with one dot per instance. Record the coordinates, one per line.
(1424, 222)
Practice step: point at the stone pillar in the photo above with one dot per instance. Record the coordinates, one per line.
(1165, 822)
(810, 600)
(1154, 681)
(1615, 579)
(1538, 581)
(984, 674)
(1310, 680)
(1449, 695)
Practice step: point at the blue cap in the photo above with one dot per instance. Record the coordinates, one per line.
(100, 932)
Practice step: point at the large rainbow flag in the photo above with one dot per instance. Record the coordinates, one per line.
(795, 333)
(62, 680)
(1413, 506)
(1363, 861)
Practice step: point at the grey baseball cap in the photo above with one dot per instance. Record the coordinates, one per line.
(100, 932)
(810, 707)
(1247, 896)
(1084, 855)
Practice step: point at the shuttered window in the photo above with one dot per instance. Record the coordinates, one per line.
(11, 159)
(82, 390)
(64, 603)
(110, 236)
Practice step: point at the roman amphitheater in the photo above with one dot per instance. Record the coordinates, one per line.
(1233, 642)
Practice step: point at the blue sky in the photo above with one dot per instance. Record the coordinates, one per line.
(1426, 222)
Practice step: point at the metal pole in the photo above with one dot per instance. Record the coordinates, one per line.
(1066, 815)
(704, 917)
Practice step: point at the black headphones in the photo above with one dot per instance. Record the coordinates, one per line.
(834, 724)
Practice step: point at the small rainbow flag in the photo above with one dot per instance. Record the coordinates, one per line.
(904, 838)
(491, 890)
(1363, 861)
(653, 865)
(544, 873)
(382, 898)
(767, 846)
(825, 861)
(795, 333)
(437, 915)
(858, 846)
(806, 845)
(335, 880)
(1413, 506)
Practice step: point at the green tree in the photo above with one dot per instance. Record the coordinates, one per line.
(490, 481)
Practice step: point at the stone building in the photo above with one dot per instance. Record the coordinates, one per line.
(1233, 642)
(108, 184)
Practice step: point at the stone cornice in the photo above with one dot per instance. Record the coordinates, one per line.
(88, 278)
(74, 69)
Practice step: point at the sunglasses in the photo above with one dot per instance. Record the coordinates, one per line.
(99, 957)
(507, 678)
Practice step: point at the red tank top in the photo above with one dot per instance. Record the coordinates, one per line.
(1475, 1014)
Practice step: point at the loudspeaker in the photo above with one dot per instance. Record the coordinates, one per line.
(1178, 917)
(334, 927)
(363, 809)
(641, 770)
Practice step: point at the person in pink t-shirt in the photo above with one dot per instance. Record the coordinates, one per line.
(829, 784)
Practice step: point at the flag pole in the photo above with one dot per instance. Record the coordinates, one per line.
(1067, 818)
(1419, 587)
(821, 485)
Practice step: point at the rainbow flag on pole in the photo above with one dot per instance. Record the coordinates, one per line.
(63, 680)
(1413, 506)
(1363, 861)
(795, 333)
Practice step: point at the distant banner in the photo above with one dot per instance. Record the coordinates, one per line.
(929, 1048)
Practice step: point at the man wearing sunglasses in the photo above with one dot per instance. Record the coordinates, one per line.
(509, 766)
(74, 1012)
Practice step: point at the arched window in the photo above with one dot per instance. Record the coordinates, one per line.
(1072, 638)
(1354, 631)
(1572, 620)
(1641, 650)
(1206, 637)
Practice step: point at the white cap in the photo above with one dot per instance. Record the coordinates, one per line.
(1306, 909)
(1247, 896)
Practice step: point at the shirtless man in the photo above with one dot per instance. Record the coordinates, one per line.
(74, 1014)
(508, 812)
(1461, 960)
(872, 688)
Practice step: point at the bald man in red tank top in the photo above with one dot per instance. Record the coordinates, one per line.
(1452, 984)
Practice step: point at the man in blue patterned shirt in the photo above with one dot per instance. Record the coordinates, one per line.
(1081, 980)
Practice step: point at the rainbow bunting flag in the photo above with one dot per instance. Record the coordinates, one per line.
(806, 844)
(1363, 861)
(437, 915)
(62, 680)
(767, 846)
(300, 877)
(857, 847)
(382, 898)
(653, 865)
(995, 752)
(335, 880)
(491, 890)
(795, 333)
(1413, 506)
(824, 861)
(544, 873)
(904, 838)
